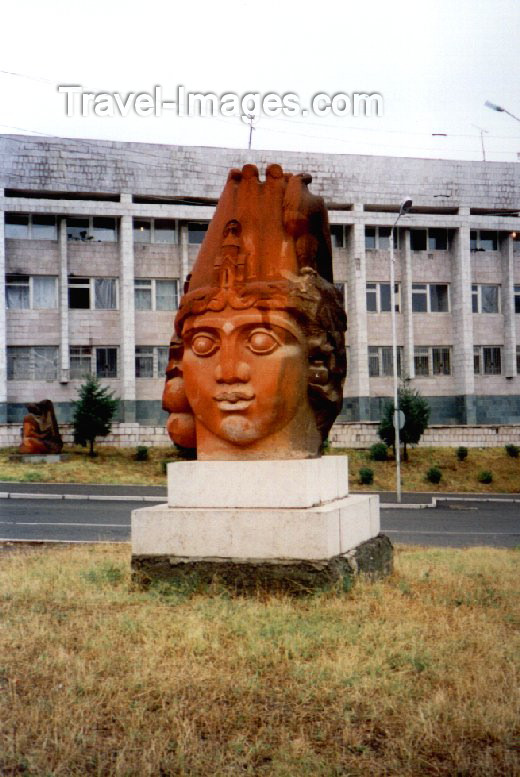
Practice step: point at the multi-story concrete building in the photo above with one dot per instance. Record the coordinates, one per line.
(97, 237)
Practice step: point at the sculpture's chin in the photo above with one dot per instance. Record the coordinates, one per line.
(239, 430)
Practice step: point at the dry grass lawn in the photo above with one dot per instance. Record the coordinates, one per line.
(416, 675)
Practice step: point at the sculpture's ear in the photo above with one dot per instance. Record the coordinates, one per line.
(181, 423)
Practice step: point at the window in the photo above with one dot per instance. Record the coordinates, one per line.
(518, 359)
(432, 360)
(197, 231)
(151, 361)
(379, 238)
(32, 362)
(380, 362)
(516, 292)
(156, 294)
(418, 239)
(487, 360)
(80, 361)
(92, 293)
(37, 292)
(155, 231)
(430, 298)
(85, 360)
(106, 362)
(92, 228)
(429, 239)
(378, 297)
(337, 235)
(35, 227)
(483, 240)
(485, 299)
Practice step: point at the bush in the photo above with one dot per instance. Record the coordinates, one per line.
(366, 476)
(485, 476)
(462, 453)
(93, 413)
(378, 452)
(513, 451)
(416, 413)
(164, 465)
(141, 453)
(434, 475)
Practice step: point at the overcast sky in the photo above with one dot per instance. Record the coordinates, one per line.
(434, 62)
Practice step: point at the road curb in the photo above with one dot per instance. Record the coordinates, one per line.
(81, 497)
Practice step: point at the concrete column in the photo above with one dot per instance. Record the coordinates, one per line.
(185, 256)
(462, 323)
(357, 379)
(406, 304)
(3, 334)
(64, 303)
(127, 316)
(508, 307)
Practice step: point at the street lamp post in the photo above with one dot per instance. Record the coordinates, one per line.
(495, 107)
(404, 208)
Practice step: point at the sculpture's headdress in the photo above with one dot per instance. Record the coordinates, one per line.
(261, 240)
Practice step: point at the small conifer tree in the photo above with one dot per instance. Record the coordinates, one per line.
(93, 413)
(416, 412)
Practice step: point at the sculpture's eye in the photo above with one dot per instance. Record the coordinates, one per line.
(262, 341)
(203, 344)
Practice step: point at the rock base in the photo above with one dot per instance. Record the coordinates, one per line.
(372, 558)
(38, 458)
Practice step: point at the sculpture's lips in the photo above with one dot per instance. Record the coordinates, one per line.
(233, 399)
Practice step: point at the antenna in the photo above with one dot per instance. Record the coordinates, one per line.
(251, 128)
(482, 132)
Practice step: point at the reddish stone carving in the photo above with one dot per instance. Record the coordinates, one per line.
(257, 360)
(40, 433)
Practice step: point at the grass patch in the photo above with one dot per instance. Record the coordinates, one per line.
(111, 466)
(456, 475)
(414, 675)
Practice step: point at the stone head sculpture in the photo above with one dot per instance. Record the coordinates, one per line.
(257, 359)
(40, 432)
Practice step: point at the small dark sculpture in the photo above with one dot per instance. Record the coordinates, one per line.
(257, 360)
(40, 433)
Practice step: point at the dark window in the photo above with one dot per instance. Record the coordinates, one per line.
(372, 297)
(441, 361)
(164, 231)
(517, 299)
(79, 293)
(418, 239)
(106, 362)
(104, 229)
(144, 361)
(197, 231)
(437, 239)
(492, 361)
(370, 238)
(44, 228)
(438, 298)
(16, 225)
(80, 361)
(488, 241)
(384, 290)
(384, 237)
(78, 229)
(421, 361)
(142, 231)
(17, 292)
(473, 240)
(336, 235)
(419, 298)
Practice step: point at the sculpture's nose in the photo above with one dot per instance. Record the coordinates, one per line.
(230, 368)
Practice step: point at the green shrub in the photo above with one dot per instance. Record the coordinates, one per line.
(462, 453)
(32, 477)
(366, 476)
(434, 475)
(513, 451)
(379, 452)
(485, 476)
(141, 453)
(164, 465)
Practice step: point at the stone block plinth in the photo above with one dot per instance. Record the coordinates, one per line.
(285, 525)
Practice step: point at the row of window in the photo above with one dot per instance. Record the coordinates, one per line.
(153, 230)
(427, 239)
(40, 292)
(40, 362)
(23, 292)
(99, 229)
(432, 361)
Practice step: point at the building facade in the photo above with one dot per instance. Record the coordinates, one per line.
(97, 237)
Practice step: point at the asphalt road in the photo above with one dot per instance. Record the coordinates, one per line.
(455, 524)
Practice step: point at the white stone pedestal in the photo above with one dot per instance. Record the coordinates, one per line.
(262, 520)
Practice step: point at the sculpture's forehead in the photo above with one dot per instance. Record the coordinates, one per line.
(229, 321)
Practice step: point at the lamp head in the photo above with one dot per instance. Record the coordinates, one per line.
(406, 206)
(493, 106)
